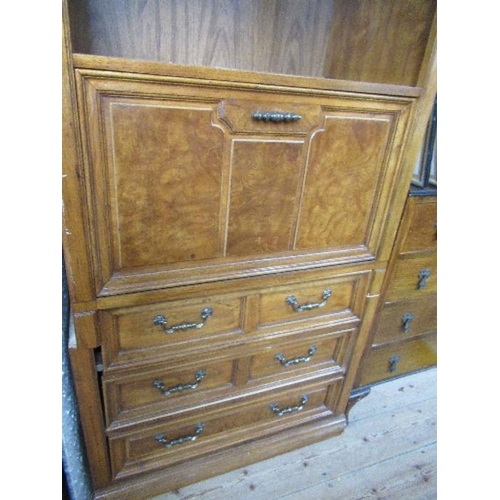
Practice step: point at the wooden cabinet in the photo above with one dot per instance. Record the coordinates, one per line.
(230, 207)
(404, 336)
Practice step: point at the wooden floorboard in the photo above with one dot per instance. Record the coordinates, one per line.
(388, 451)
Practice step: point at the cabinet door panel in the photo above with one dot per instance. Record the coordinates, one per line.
(345, 165)
(180, 190)
(264, 184)
(165, 178)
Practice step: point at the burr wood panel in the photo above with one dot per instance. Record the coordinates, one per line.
(166, 162)
(346, 162)
(263, 196)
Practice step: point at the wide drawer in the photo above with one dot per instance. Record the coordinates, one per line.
(413, 277)
(407, 318)
(171, 441)
(422, 226)
(140, 333)
(392, 360)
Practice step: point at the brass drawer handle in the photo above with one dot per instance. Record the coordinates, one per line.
(300, 359)
(292, 301)
(393, 363)
(276, 409)
(162, 321)
(423, 276)
(406, 320)
(275, 116)
(162, 439)
(199, 376)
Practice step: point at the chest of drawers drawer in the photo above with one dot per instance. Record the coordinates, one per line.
(421, 234)
(391, 360)
(413, 277)
(406, 318)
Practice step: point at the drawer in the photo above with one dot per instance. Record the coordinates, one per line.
(172, 441)
(422, 229)
(270, 117)
(135, 334)
(405, 319)
(392, 360)
(333, 300)
(167, 389)
(285, 359)
(413, 277)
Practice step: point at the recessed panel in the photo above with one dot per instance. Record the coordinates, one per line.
(264, 183)
(165, 180)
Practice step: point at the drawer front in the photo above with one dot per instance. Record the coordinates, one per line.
(295, 359)
(413, 277)
(169, 442)
(147, 332)
(167, 389)
(187, 186)
(269, 116)
(405, 319)
(333, 300)
(422, 230)
(392, 360)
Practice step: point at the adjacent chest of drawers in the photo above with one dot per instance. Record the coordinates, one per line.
(405, 330)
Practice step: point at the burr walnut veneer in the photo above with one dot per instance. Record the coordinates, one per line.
(230, 207)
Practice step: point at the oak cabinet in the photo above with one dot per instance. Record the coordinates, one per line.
(230, 207)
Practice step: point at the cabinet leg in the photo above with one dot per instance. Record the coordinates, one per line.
(356, 395)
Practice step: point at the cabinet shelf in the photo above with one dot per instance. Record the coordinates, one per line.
(375, 41)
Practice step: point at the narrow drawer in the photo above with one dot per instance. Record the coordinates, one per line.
(136, 334)
(167, 389)
(333, 300)
(422, 229)
(413, 277)
(407, 318)
(288, 359)
(392, 360)
(269, 117)
(173, 441)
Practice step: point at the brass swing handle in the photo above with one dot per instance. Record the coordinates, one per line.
(199, 376)
(292, 301)
(162, 439)
(300, 359)
(276, 409)
(275, 116)
(162, 321)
